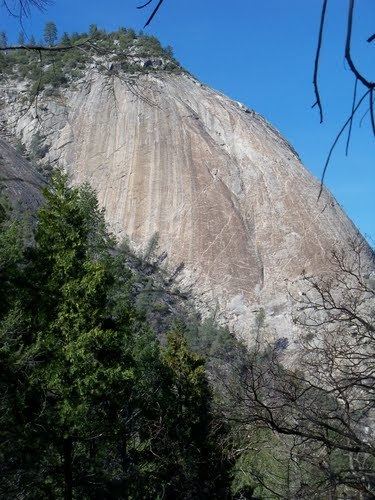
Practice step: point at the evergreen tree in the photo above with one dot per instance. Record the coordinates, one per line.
(65, 39)
(32, 41)
(196, 461)
(169, 51)
(11, 253)
(91, 407)
(14, 394)
(93, 29)
(21, 38)
(50, 33)
(71, 342)
(74, 37)
(3, 39)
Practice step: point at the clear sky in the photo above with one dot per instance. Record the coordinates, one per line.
(261, 52)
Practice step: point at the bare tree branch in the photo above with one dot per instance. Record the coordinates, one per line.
(323, 402)
(337, 138)
(317, 58)
(348, 57)
(24, 7)
(352, 116)
(154, 12)
(372, 110)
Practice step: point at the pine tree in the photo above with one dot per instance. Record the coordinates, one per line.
(200, 470)
(169, 51)
(93, 29)
(72, 343)
(65, 39)
(11, 252)
(50, 33)
(14, 394)
(190, 420)
(74, 37)
(77, 371)
(3, 39)
(21, 38)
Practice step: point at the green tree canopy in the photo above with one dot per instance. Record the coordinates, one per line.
(50, 33)
(3, 39)
(65, 39)
(92, 406)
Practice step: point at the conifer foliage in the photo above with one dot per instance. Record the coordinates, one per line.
(91, 406)
(50, 33)
(3, 39)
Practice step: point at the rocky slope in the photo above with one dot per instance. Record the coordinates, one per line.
(22, 182)
(226, 194)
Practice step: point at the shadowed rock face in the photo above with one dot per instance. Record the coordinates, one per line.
(226, 193)
(21, 181)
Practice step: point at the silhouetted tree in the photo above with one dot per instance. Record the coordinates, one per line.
(3, 40)
(323, 402)
(50, 33)
(65, 39)
(21, 38)
(93, 29)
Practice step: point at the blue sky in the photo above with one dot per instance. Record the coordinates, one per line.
(261, 52)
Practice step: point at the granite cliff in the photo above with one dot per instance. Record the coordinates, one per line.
(22, 182)
(226, 194)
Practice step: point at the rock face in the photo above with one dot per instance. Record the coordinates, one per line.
(21, 181)
(227, 195)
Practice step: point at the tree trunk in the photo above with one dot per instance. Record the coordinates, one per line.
(68, 470)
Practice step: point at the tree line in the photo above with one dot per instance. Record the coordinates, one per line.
(50, 36)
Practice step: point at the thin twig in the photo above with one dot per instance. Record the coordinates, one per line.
(145, 4)
(24, 7)
(337, 138)
(351, 120)
(372, 110)
(363, 117)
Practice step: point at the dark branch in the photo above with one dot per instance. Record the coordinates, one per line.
(351, 119)
(42, 48)
(317, 57)
(372, 110)
(337, 138)
(24, 7)
(153, 12)
(144, 5)
(361, 78)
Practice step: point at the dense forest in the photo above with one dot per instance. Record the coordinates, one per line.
(91, 402)
(96, 403)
